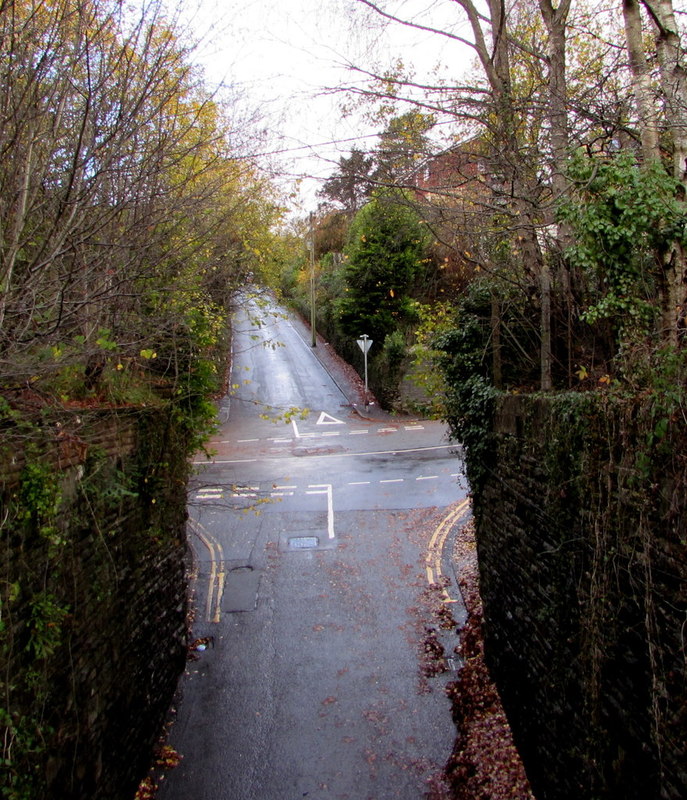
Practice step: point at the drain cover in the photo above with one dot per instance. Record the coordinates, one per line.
(303, 542)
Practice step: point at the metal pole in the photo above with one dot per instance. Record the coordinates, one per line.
(365, 352)
(312, 282)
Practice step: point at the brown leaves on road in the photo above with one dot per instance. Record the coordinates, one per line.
(485, 764)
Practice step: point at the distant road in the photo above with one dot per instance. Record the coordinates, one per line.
(315, 540)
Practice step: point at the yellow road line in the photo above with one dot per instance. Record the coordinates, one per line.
(436, 546)
(213, 602)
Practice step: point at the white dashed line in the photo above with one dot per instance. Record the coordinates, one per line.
(359, 483)
(393, 480)
(242, 441)
(357, 433)
(426, 477)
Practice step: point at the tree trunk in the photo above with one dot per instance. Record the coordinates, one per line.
(674, 86)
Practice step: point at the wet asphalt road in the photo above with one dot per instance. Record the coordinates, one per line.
(314, 541)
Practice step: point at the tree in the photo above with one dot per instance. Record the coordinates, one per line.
(672, 72)
(350, 187)
(384, 257)
(119, 189)
(403, 145)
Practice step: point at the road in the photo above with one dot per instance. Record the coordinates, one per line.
(316, 538)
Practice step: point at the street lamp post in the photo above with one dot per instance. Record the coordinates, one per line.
(311, 246)
(364, 343)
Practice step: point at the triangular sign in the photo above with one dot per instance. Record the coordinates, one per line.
(328, 419)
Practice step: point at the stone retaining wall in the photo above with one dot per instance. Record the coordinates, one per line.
(581, 529)
(93, 599)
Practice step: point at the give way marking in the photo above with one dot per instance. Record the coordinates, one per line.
(325, 419)
(328, 419)
(325, 488)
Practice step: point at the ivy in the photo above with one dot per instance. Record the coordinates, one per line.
(40, 501)
(44, 625)
(622, 215)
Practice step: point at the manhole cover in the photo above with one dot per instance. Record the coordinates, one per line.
(303, 542)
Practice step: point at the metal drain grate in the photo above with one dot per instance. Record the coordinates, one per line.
(303, 542)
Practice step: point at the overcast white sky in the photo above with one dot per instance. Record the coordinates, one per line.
(284, 54)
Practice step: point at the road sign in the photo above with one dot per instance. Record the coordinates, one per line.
(364, 344)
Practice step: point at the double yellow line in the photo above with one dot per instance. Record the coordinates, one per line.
(213, 602)
(436, 546)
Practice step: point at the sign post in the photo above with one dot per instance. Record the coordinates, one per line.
(364, 344)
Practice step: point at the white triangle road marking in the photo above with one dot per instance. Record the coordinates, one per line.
(328, 419)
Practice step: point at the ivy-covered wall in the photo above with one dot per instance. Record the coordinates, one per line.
(93, 598)
(581, 511)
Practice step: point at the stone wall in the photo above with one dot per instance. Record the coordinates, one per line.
(92, 634)
(581, 527)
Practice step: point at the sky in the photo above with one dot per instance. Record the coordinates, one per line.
(285, 57)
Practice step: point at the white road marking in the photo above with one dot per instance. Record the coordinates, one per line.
(325, 488)
(328, 419)
(357, 433)
(242, 441)
(396, 452)
(387, 430)
(414, 427)
(295, 429)
(392, 480)
(426, 477)
(359, 483)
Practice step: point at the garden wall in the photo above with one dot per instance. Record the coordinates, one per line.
(581, 512)
(92, 584)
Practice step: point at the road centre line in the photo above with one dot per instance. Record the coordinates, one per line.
(396, 452)
(313, 434)
(288, 490)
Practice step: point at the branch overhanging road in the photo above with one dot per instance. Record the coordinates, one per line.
(316, 540)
